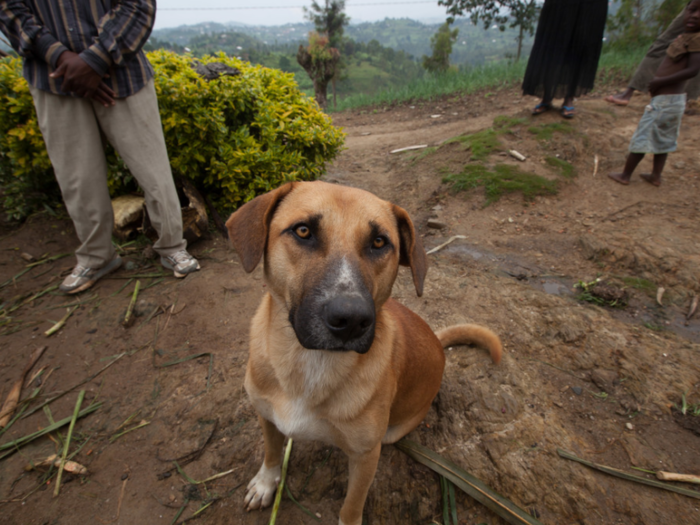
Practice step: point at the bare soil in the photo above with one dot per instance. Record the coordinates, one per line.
(598, 381)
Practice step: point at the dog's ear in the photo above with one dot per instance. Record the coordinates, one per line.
(248, 225)
(411, 252)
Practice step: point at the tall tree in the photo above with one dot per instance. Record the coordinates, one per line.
(441, 44)
(522, 14)
(319, 60)
(330, 20)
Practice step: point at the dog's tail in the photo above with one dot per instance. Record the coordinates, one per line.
(462, 334)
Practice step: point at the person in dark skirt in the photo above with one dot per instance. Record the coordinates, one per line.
(564, 57)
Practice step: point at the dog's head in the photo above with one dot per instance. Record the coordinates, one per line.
(331, 256)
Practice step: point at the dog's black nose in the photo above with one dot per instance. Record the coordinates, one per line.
(348, 318)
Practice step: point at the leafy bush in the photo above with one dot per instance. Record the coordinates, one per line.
(239, 136)
(26, 177)
(235, 136)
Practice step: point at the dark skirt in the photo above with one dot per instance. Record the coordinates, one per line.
(564, 58)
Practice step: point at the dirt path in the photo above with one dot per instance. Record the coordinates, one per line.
(597, 381)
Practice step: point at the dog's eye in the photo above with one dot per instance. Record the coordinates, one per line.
(302, 231)
(379, 242)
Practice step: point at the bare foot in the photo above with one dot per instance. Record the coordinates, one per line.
(651, 178)
(620, 177)
(617, 100)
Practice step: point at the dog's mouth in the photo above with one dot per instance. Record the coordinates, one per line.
(342, 324)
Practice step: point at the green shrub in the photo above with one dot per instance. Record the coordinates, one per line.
(235, 137)
(26, 177)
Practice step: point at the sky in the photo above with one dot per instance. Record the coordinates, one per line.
(172, 13)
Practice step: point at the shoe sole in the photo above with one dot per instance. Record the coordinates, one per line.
(181, 275)
(177, 274)
(99, 275)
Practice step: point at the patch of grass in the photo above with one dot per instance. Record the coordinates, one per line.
(546, 131)
(485, 142)
(686, 408)
(638, 283)
(599, 293)
(504, 179)
(653, 326)
(505, 123)
(425, 152)
(481, 143)
(564, 168)
(492, 75)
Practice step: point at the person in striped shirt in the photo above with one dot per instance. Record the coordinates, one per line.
(90, 81)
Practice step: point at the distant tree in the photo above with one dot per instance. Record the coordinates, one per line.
(522, 14)
(284, 63)
(666, 12)
(330, 20)
(633, 23)
(319, 60)
(441, 44)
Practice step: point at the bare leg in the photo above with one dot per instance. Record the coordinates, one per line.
(362, 470)
(655, 176)
(633, 159)
(262, 487)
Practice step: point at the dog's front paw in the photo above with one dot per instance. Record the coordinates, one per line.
(261, 488)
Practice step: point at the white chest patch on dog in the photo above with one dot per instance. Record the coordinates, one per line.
(295, 419)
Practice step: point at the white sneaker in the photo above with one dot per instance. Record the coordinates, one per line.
(181, 263)
(82, 278)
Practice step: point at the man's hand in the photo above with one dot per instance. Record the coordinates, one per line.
(79, 78)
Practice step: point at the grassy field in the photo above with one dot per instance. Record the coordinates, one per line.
(615, 67)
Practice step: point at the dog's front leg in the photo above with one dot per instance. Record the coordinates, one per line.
(262, 487)
(362, 468)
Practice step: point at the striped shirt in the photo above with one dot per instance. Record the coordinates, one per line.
(107, 34)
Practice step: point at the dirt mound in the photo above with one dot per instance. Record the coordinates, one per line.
(598, 381)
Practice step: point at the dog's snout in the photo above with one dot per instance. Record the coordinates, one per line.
(348, 318)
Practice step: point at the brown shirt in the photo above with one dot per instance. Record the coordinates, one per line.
(682, 45)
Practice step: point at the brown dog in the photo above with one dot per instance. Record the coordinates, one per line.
(332, 357)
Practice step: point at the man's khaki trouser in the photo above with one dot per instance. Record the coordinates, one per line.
(655, 55)
(71, 128)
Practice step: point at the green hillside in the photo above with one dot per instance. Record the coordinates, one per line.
(377, 55)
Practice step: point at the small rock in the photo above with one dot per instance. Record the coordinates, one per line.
(130, 266)
(27, 256)
(125, 475)
(629, 426)
(432, 223)
(318, 515)
(577, 390)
